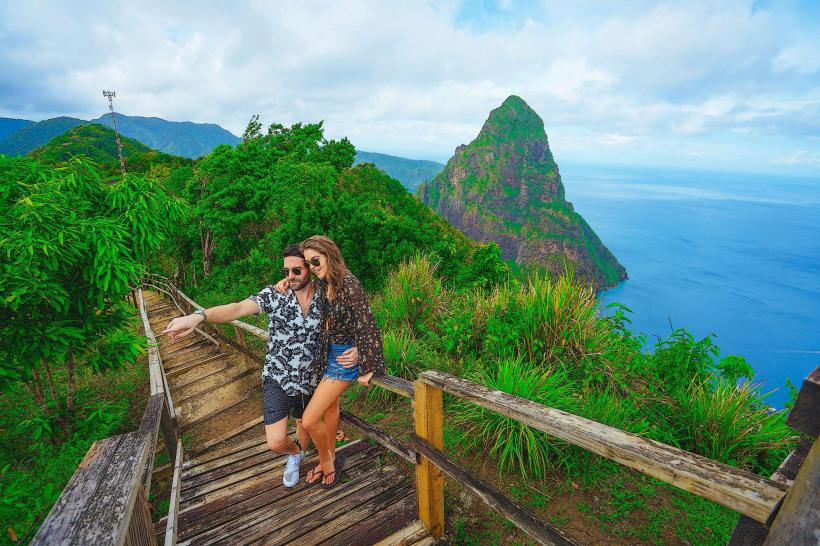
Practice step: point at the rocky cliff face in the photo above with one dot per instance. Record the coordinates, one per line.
(505, 187)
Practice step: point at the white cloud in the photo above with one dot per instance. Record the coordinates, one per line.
(407, 78)
(800, 157)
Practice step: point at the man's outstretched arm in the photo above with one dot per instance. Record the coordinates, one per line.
(182, 326)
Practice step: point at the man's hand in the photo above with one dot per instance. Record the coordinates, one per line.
(364, 380)
(349, 358)
(282, 286)
(182, 326)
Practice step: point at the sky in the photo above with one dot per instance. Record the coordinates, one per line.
(730, 84)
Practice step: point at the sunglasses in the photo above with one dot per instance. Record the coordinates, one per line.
(315, 261)
(296, 271)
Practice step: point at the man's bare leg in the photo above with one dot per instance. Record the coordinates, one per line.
(278, 439)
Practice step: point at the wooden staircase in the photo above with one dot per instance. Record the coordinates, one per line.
(231, 484)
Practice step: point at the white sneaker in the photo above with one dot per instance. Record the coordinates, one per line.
(291, 475)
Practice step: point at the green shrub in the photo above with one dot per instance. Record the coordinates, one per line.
(731, 424)
(515, 445)
(412, 296)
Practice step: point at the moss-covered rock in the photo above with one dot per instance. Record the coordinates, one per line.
(506, 187)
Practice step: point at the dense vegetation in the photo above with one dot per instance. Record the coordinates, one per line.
(72, 242)
(410, 172)
(72, 246)
(98, 142)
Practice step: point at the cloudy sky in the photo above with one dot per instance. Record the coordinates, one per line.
(724, 84)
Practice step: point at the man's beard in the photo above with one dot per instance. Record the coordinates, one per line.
(301, 285)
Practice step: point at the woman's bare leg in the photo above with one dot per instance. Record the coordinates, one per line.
(331, 419)
(326, 395)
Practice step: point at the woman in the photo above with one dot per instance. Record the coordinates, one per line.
(348, 322)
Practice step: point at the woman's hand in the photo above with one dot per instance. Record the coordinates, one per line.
(282, 286)
(364, 380)
(349, 358)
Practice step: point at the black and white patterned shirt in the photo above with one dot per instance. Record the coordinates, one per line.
(294, 342)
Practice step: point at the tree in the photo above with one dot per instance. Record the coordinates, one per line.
(71, 246)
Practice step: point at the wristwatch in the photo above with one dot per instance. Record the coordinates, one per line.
(203, 313)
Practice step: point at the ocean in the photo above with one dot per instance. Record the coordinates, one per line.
(730, 254)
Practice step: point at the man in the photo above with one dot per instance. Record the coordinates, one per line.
(289, 375)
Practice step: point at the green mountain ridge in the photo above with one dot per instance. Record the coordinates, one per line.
(410, 172)
(98, 143)
(505, 186)
(10, 125)
(182, 138)
(36, 134)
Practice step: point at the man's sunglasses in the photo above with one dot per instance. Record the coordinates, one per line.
(296, 271)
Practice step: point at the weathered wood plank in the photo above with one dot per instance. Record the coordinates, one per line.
(513, 511)
(398, 385)
(107, 515)
(168, 427)
(140, 531)
(408, 535)
(262, 493)
(202, 458)
(302, 505)
(60, 524)
(358, 519)
(429, 479)
(748, 532)
(742, 491)
(378, 527)
(173, 507)
(150, 427)
(206, 384)
(375, 492)
(396, 446)
(230, 434)
(798, 521)
(805, 415)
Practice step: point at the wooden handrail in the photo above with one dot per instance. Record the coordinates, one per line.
(745, 492)
(105, 500)
(173, 506)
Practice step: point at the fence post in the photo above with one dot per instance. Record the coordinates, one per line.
(429, 478)
(798, 520)
(240, 338)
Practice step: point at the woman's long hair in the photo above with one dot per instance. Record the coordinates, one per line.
(336, 266)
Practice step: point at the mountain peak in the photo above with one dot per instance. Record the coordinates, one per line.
(505, 187)
(514, 120)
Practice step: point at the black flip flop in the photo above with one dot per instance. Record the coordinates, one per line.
(313, 475)
(338, 465)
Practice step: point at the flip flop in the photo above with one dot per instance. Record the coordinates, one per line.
(338, 465)
(313, 473)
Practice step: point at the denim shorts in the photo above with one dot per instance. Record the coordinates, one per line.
(337, 371)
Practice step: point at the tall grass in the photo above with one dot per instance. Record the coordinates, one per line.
(412, 297)
(730, 423)
(515, 445)
(560, 325)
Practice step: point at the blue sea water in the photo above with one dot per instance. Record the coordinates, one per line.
(737, 255)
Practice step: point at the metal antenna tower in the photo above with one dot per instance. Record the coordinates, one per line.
(110, 96)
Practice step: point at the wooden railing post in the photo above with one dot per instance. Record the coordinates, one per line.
(429, 478)
(798, 520)
(240, 338)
